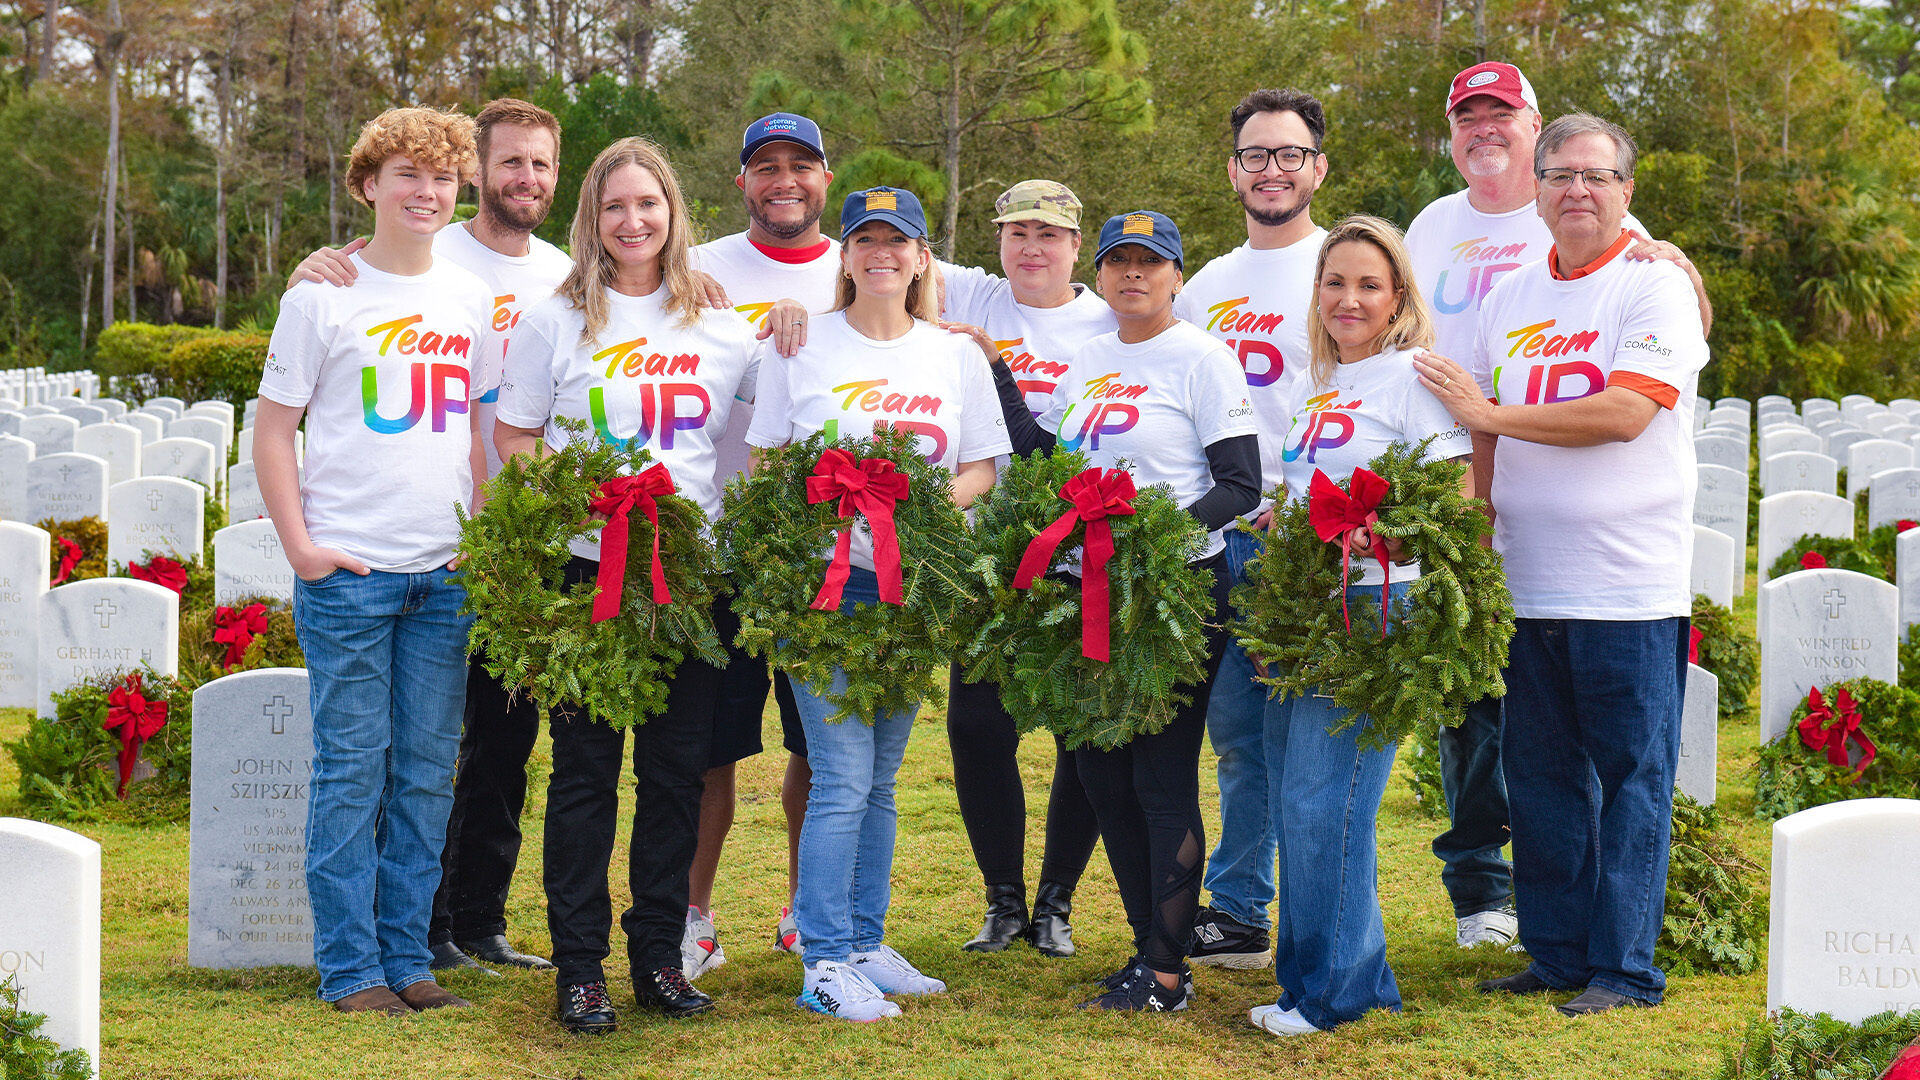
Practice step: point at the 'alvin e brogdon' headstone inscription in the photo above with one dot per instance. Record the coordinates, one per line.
(246, 879)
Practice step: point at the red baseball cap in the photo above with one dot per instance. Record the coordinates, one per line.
(1496, 80)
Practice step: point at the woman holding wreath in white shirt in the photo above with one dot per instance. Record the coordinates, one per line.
(879, 334)
(1366, 325)
(628, 346)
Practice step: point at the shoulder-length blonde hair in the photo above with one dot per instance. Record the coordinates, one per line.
(1412, 324)
(923, 292)
(594, 269)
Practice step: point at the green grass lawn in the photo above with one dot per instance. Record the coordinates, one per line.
(1009, 1015)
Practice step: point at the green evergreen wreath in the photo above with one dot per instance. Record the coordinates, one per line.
(1798, 1046)
(1790, 777)
(1840, 554)
(1883, 544)
(26, 1052)
(67, 763)
(1028, 640)
(1446, 653)
(203, 657)
(776, 545)
(535, 633)
(1713, 921)
(1730, 653)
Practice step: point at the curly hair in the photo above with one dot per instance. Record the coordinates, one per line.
(429, 138)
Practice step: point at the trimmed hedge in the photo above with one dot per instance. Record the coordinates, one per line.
(132, 348)
(223, 365)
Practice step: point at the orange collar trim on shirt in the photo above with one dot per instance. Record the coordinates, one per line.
(1607, 256)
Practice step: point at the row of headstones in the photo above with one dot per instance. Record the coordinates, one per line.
(57, 460)
(52, 638)
(33, 385)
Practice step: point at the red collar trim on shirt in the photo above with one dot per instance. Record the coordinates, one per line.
(1553, 260)
(793, 256)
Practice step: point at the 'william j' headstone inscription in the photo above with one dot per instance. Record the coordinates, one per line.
(252, 762)
(50, 928)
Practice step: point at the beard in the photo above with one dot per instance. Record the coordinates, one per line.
(512, 215)
(1488, 159)
(1275, 218)
(787, 230)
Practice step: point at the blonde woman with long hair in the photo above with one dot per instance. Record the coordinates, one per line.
(598, 351)
(1366, 324)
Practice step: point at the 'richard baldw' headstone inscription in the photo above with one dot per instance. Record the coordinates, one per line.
(252, 761)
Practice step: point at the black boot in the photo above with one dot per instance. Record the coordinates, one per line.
(1006, 919)
(1050, 932)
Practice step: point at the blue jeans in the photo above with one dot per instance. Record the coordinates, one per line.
(1329, 946)
(387, 659)
(1590, 749)
(846, 843)
(1239, 877)
(1477, 876)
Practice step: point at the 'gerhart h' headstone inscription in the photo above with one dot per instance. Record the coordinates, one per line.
(1822, 626)
(252, 761)
(105, 626)
(50, 928)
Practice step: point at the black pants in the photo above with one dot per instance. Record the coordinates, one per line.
(483, 831)
(670, 753)
(993, 801)
(1146, 795)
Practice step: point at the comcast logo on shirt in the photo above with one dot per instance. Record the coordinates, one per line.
(1649, 343)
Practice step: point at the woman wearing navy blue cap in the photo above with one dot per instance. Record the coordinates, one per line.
(1169, 402)
(878, 335)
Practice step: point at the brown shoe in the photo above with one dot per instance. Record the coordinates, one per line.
(427, 994)
(374, 999)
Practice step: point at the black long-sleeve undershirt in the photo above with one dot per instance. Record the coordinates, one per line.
(1234, 462)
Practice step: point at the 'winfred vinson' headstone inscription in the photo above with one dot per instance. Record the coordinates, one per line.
(252, 761)
(1822, 626)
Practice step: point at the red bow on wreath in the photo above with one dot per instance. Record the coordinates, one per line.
(137, 720)
(69, 557)
(237, 629)
(1335, 514)
(1846, 726)
(1693, 646)
(617, 499)
(1813, 560)
(161, 571)
(1096, 495)
(1904, 524)
(871, 486)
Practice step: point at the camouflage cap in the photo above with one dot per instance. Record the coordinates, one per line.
(1048, 201)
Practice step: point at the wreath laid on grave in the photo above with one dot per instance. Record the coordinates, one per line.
(1102, 659)
(1714, 920)
(191, 580)
(1797, 1046)
(79, 549)
(609, 645)
(1883, 542)
(1730, 653)
(77, 766)
(786, 536)
(225, 639)
(1449, 648)
(28, 1054)
(1829, 553)
(1858, 739)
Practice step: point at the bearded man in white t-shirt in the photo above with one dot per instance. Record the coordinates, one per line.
(519, 145)
(1581, 399)
(1462, 245)
(1255, 299)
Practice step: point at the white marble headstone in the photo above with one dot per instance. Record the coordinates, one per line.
(15, 453)
(1799, 470)
(114, 406)
(1893, 495)
(83, 413)
(1906, 555)
(66, 487)
(1713, 569)
(1844, 930)
(1713, 449)
(1787, 517)
(114, 443)
(105, 626)
(214, 407)
(1841, 441)
(244, 502)
(1823, 626)
(172, 404)
(246, 858)
(1720, 503)
(152, 428)
(162, 514)
(1783, 439)
(189, 459)
(1870, 457)
(50, 433)
(249, 561)
(24, 557)
(50, 929)
(1698, 772)
(208, 430)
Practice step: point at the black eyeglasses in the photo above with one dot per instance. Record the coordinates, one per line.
(1254, 159)
(1594, 179)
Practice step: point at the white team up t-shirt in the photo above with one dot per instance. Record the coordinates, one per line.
(518, 282)
(1362, 409)
(1597, 532)
(386, 371)
(1153, 408)
(753, 282)
(1035, 342)
(646, 379)
(1256, 301)
(927, 381)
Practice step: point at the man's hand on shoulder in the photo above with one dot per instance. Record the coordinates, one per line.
(330, 265)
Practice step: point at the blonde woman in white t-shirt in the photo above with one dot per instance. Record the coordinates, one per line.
(598, 352)
(874, 361)
(1365, 326)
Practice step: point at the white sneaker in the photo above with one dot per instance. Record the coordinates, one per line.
(891, 972)
(1274, 1020)
(700, 950)
(837, 990)
(1496, 927)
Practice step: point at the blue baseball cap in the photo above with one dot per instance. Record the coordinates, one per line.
(1153, 231)
(896, 206)
(781, 127)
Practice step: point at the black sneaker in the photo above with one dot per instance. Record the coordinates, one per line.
(1139, 991)
(1220, 940)
(668, 991)
(585, 1009)
(1122, 977)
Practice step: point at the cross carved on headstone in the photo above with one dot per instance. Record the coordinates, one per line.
(1913, 489)
(269, 545)
(1808, 513)
(154, 499)
(106, 609)
(279, 711)
(1804, 470)
(1834, 600)
(66, 472)
(178, 453)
